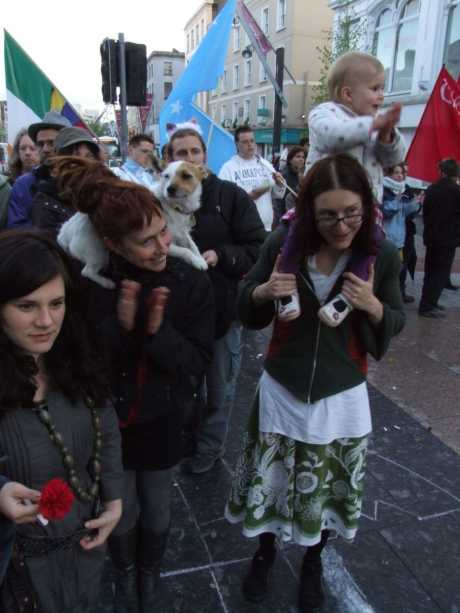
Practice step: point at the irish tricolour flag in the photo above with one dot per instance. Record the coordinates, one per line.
(29, 92)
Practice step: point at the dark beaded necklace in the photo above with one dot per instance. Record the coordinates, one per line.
(89, 494)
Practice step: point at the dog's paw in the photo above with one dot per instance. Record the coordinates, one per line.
(199, 262)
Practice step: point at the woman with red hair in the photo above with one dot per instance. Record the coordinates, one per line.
(157, 330)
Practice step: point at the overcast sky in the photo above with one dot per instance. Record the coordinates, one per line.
(63, 38)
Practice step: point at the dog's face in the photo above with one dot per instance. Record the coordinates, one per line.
(181, 186)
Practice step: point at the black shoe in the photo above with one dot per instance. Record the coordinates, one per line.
(311, 590)
(432, 314)
(256, 583)
(123, 553)
(408, 299)
(451, 286)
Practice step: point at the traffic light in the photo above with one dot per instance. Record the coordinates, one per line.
(109, 70)
(136, 74)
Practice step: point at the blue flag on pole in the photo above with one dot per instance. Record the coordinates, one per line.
(202, 74)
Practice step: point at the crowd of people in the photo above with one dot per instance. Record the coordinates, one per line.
(109, 386)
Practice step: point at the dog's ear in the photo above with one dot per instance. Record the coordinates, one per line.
(204, 172)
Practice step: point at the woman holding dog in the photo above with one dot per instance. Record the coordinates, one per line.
(157, 329)
(301, 471)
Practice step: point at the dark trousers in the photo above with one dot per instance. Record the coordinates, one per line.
(438, 262)
(147, 497)
(6, 545)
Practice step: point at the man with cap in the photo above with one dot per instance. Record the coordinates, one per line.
(441, 235)
(43, 134)
(48, 211)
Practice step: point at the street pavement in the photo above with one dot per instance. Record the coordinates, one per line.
(406, 557)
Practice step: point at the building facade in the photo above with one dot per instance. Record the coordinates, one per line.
(163, 70)
(412, 39)
(246, 96)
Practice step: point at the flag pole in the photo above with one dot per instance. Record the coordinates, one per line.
(123, 111)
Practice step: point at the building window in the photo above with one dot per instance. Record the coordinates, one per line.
(235, 111)
(197, 34)
(248, 73)
(263, 76)
(406, 44)
(202, 28)
(188, 42)
(236, 76)
(265, 21)
(395, 46)
(167, 88)
(167, 69)
(223, 114)
(452, 51)
(281, 14)
(192, 39)
(236, 39)
(247, 110)
(223, 83)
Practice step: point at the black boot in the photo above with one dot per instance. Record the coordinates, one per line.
(257, 582)
(123, 553)
(311, 590)
(151, 551)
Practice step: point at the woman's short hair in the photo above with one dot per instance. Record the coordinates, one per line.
(293, 151)
(115, 207)
(14, 162)
(30, 258)
(351, 68)
(182, 134)
(334, 172)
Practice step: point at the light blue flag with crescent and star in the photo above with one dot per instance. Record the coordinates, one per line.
(202, 74)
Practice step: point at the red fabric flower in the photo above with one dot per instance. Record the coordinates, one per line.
(56, 499)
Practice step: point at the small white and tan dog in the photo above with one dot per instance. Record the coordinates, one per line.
(179, 191)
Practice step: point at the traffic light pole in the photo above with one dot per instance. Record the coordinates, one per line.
(278, 113)
(123, 110)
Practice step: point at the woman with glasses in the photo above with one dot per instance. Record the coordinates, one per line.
(300, 475)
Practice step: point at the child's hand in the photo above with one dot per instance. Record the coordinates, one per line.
(127, 304)
(385, 123)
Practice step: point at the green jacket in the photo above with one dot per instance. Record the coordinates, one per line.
(4, 199)
(308, 358)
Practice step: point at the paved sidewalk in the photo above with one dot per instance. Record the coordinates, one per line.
(406, 558)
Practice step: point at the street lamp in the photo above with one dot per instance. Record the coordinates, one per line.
(247, 52)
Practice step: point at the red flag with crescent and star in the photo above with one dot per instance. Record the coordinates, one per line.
(438, 134)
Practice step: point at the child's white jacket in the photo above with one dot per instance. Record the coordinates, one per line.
(334, 128)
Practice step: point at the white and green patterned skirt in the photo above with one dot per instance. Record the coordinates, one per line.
(295, 489)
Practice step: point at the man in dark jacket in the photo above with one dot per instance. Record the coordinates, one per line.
(48, 211)
(13, 510)
(441, 235)
(229, 234)
(43, 134)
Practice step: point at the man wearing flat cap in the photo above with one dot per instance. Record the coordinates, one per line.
(43, 134)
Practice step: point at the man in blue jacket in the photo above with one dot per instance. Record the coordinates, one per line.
(43, 134)
(14, 510)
